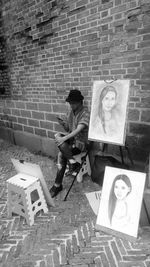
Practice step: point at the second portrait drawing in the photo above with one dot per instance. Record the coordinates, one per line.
(108, 111)
(121, 201)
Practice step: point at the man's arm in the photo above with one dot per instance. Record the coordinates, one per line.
(60, 140)
(63, 122)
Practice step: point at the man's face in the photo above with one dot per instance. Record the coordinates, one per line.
(74, 106)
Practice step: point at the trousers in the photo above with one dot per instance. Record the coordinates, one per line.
(66, 152)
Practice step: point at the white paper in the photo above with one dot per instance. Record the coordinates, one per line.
(94, 200)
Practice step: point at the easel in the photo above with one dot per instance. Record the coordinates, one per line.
(147, 170)
(105, 146)
(146, 211)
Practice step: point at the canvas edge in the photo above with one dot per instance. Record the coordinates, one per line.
(115, 233)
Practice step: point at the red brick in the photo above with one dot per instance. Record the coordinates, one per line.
(116, 251)
(31, 106)
(44, 107)
(40, 132)
(10, 104)
(46, 125)
(118, 71)
(144, 44)
(37, 115)
(17, 127)
(59, 108)
(25, 113)
(139, 129)
(15, 112)
(34, 123)
(22, 121)
(49, 261)
(20, 105)
(13, 119)
(28, 129)
(144, 102)
(145, 116)
(133, 114)
(134, 258)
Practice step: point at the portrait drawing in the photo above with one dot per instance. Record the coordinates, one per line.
(108, 111)
(121, 201)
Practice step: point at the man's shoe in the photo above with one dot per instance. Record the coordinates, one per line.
(74, 168)
(54, 191)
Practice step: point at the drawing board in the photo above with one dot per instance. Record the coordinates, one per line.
(121, 201)
(33, 170)
(108, 111)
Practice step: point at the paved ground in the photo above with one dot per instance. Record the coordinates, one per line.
(65, 236)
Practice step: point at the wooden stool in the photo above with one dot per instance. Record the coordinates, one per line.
(25, 197)
(86, 168)
(83, 159)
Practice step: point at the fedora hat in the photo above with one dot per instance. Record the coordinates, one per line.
(74, 96)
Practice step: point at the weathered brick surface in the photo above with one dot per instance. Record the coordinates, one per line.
(50, 47)
(66, 235)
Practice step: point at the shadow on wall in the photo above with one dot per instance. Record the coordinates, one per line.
(4, 76)
(33, 143)
(47, 146)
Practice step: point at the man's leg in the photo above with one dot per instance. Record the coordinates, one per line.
(66, 154)
(61, 167)
(69, 151)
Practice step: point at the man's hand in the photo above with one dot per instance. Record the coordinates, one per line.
(60, 120)
(59, 139)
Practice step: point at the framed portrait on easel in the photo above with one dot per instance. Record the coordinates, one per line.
(108, 111)
(121, 202)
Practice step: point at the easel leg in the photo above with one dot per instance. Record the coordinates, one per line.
(104, 147)
(70, 187)
(121, 154)
(148, 218)
(83, 159)
(129, 155)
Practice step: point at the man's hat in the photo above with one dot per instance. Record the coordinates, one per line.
(74, 96)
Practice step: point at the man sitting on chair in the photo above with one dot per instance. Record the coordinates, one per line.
(74, 141)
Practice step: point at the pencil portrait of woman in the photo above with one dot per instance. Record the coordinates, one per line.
(107, 114)
(118, 206)
(121, 201)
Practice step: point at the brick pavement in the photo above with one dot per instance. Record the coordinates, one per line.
(65, 236)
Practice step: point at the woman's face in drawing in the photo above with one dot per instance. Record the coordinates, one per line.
(121, 189)
(109, 101)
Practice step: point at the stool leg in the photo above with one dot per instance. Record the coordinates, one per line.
(27, 204)
(82, 171)
(80, 175)
(42, 199)
(39, 204)
(88, 165)
(85, 169)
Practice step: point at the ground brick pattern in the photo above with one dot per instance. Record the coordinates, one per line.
(66, 236)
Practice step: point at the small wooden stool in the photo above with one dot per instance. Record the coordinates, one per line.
(83, 159)
(25, 197)
(86, 168)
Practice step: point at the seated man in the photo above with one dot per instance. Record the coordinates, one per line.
(74, 141)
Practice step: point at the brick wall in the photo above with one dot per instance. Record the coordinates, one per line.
(4, 68)
(52, 46)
